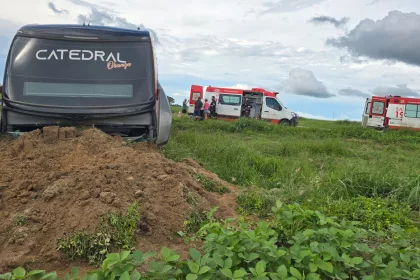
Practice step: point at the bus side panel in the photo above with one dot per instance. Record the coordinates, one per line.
(164, 119)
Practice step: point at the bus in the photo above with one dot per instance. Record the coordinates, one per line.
(78, 75)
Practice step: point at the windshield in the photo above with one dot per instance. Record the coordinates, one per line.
(75, 73)
(282, 105)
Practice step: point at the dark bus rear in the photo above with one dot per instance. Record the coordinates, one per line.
(82, 75)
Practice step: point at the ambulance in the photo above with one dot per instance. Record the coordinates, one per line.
(393, 112)
(230, 104)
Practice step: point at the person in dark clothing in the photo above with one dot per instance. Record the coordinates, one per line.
(197, 108)
(213, 106)
(185, 106)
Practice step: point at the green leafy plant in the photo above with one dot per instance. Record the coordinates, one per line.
(21, 219)
(116, 231)
(298, 243)
(255, 202)
(372, 213)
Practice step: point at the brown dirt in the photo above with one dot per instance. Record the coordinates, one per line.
(63, 179)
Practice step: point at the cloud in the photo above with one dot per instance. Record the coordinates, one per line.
(396, 37)
(241, 86)
(353, 92)
(181, 94)
(101, 17)
(303, 82)
(7, 30)
(310, 116)
(338, 23)
(53, 8)
(399, 90)
(86, 4)
(284, 6)
(373, 2)
(197, 48)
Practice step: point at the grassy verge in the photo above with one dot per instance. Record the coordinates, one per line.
(325, 163)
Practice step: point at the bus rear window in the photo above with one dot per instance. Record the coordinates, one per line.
(78, 90)
(79, 73)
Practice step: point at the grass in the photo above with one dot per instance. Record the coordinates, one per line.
(210, 185)
(321, 161)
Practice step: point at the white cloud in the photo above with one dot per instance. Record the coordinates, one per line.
(310, 116)
(180, 94)
(241, 86)
(303, 82)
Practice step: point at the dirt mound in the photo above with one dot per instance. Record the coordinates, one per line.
(61, 180)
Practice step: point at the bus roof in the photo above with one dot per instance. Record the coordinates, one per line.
(80, 32)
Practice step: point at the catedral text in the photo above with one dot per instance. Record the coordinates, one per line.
(60, 54)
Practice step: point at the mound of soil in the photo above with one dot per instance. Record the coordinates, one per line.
(63, 179)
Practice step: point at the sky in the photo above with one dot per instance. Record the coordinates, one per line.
(324, 57)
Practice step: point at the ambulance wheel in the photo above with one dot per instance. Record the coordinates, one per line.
(285, 122)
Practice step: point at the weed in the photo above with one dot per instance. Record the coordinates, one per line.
(256, 202)
(210, 185)
(195, 220)
(116, 231)
(190, 197)
(372, 213)
(21, 219)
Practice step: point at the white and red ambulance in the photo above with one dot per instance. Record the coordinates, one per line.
(230, 103)
(393, 112)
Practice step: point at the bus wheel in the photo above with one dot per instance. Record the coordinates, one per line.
(285, 123)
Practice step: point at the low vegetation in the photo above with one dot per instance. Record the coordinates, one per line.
(116, 232)
(21, 219)
(296, 244)
(319, 162)
(210, 185)
(328, 200)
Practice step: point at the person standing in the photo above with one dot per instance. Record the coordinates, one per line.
(197, 108)
(206, 109)
(213, 106)
(185, 106)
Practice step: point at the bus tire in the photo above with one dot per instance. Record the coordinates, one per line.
(3, 125)
(285, 122)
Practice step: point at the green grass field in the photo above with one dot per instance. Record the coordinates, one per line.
(319, 161)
